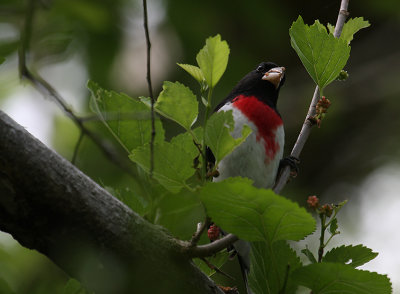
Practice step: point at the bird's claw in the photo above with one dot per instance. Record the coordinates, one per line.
(292, 162)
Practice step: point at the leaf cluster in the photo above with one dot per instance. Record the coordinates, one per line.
(266, 220)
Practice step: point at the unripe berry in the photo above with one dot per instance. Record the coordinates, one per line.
(313, 202)
(213, 232)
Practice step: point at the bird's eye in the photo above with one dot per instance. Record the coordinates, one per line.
(260, 68)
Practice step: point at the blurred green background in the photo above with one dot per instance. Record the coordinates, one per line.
(355, 154)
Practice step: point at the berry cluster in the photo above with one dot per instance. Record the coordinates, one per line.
(213, 232)
(313, 203)
(320, 110)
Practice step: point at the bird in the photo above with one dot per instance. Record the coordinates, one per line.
(253, 102)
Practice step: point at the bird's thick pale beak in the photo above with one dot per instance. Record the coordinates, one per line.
(274, 75)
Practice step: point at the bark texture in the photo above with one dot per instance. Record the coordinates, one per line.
(47, 204)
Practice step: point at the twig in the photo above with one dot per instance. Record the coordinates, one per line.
(215, 268)
(322, 238)
(209, 249)
(199, 231)
(308, 124)
(148, 77)
(43, 87)
(76, 149)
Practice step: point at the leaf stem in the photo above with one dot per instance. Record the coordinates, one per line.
(322, 237)
(206, 115)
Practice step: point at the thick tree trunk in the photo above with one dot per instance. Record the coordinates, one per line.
(48, 205)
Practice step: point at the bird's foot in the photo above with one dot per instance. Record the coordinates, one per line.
(292, 162)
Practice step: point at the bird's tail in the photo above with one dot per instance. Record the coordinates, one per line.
(243, 253)
(245, 273)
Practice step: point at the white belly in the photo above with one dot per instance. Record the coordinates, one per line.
(249, 159)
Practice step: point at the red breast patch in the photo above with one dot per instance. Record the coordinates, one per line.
(264, 117)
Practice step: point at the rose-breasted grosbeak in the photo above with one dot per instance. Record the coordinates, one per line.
(253, 103)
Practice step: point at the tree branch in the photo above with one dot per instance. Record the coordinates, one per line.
(47, 204)
(211, 248)
(308, 124)
(43, 87)
(148, 77)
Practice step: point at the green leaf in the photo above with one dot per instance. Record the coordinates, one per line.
(178, 103)
(180, 213)
(351, 27)
(269, 266)
(187, 142)
(127, 119)
(324, 278)
(5, 288)
(194, 71)
(333, 226)
(321, 53)
(309, 255)
(351, 255)
(218, 134)
(331, 28)
(255, 214)
(213, 59)
(74, 287)
(172, 164)
(7, 47)
(217, 260)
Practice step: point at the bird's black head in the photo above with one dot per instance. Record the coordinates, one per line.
(264, 82)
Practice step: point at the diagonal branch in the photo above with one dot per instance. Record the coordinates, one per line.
(43, 87)
(308, 124)
(47, 204)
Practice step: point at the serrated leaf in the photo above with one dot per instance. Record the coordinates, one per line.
(351, 27)
(217, 260)
(172, 164)
(321, 53)
(194, 71)
(323, 278)
(187, 142)
(269, 266)
(309, 255)
(180, 213)
(178, 103)
(218, 134)
(331, 28)
(255, 214)
(213, 59)
(352, 255)
(127, 119)
(333, 226)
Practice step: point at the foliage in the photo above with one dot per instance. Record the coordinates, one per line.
(260, 216)
(323, 55)
(257, 215)
(329, 277)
